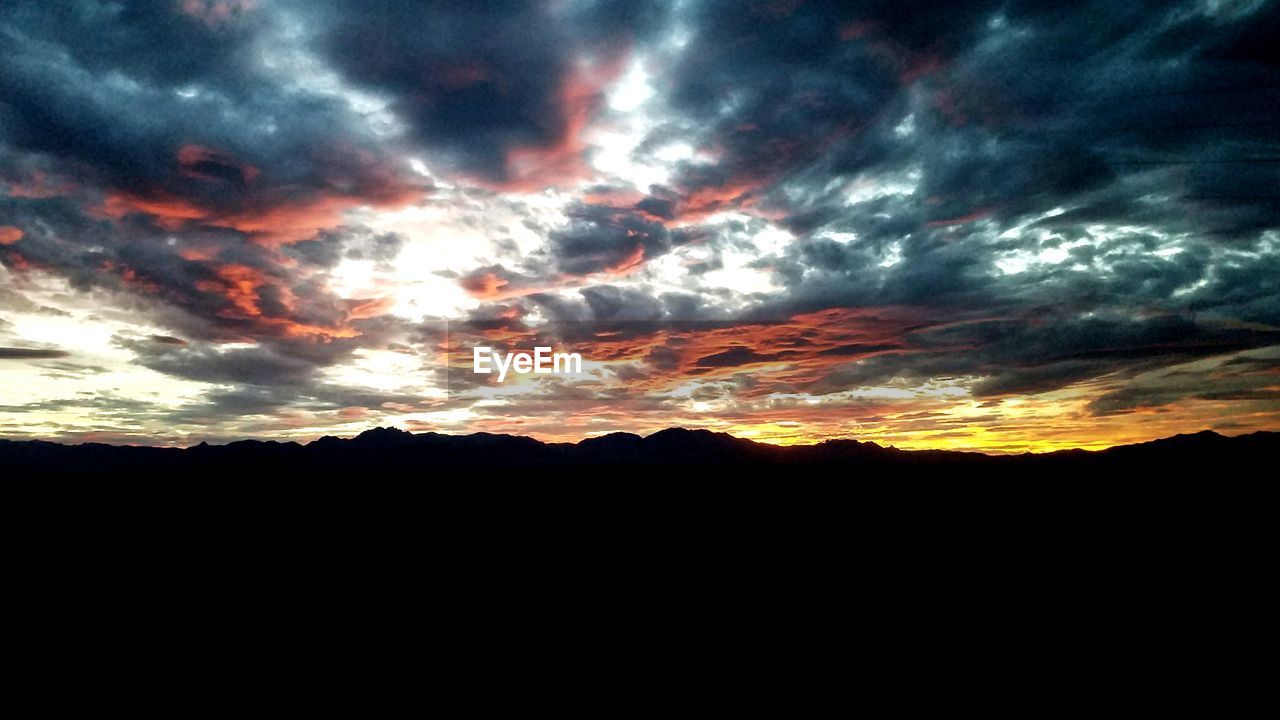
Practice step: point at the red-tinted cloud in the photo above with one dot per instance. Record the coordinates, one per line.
(214, 13)
(244, 289)
(563, 161)
(963, 219)
(785, 356)
(485, 285)
(201, 162)
(271, 215)
(38, 186)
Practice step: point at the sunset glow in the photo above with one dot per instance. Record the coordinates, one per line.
(978, 225)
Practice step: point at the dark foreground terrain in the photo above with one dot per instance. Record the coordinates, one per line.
(395, 452)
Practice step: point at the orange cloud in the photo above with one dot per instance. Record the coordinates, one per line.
(241, 285)
(271, 216)
(368, 307)
(786, 356)
(9, 234)
(707, 201)
(170, 212)
(198, 253)
(561, 162)
(487, 286)
(271, 226)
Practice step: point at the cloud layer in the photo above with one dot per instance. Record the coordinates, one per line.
(1005, 224)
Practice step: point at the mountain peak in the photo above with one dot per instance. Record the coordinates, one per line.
(383, 436)
(384, 432)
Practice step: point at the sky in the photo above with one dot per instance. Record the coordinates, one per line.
(1004, 226)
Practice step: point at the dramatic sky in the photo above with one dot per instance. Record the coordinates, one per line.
(999, 225)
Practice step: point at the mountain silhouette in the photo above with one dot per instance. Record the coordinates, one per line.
(389, 450)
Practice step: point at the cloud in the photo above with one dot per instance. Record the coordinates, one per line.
(13, 353)
(223, 143)
(774, 209)
(500, 92)
(612, 240)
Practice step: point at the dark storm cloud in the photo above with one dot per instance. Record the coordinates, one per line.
(1012, 107)
(223, 141)
(598, 242)
(629, 310)
(1002, 110)
(481, 81)
(1028, 117)
(158, 41)
(771, 88)
(611, 304)
(159, 202)
(1020, 356)
(199, 284)
(1247, 290)
(144, 143)
(1119, 308)
(602, 238)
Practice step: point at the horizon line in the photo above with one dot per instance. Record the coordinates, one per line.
(302, 443)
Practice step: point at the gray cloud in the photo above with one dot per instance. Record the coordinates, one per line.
(14, 353)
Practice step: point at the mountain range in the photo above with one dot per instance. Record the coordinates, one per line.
(390, 449)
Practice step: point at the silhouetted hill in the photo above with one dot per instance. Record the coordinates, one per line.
(388, 450)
